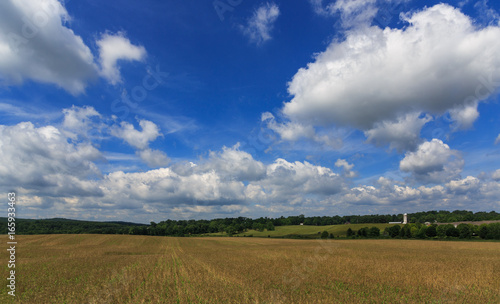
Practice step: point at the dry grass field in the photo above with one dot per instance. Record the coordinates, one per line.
(145, 269)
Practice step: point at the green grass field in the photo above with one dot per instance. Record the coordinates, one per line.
(147, 269)
(310, 231)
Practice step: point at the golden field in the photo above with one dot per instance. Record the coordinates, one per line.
(146, 269)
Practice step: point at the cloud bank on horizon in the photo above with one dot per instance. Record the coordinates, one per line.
(386, 118)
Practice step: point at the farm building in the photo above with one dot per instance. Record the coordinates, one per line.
(404, 222)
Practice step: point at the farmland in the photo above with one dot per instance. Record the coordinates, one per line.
(307, 230)
(147, 269)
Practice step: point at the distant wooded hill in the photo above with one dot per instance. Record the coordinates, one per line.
(67, 226)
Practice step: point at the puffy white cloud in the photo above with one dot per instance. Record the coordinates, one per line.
(113, 48)
(57, 175)
(235, 164)
(347, 168)
(77, 118)
(344, 164)
(402, 134)
(363, 195)
(497, 140)
(154, 158)
(432, 193)
(60, 176)
(43, 160)
(439, 62)
(285, 180)
(433, 161)
(227, 177)
(496, 175)
(288, 131)
(464, 116)
(141, 139)
(430, 156)
(294, 131)
(463, 186)
(259, 26)
(166, 188)
(136, 138)
(36, 44)
(81, 121)
(470, 193)
(389, 193)
(394, 194)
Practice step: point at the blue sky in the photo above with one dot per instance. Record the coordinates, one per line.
(202, 109)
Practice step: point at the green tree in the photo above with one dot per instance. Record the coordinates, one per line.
(363, 232)
(493, 231)
(414, 231)
(350, 232)
(230, 229)
(441, 231)
(402, 232)
(393, 231)
(451, 231)
(431, 231)
(258, 226)
(134, 230)
(408, 231)
(464, 231)
(374, 232)
(421, 233)
(324, 235)
(483, 231)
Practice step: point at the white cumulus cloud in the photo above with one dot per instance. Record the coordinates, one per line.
(42, 159)
(496, 175)
(294, 131)
(463, 186)
(136, 138)
(347, 168)
(113, 48)
(154, 158)
(402, 134)
(441, 61)
(433, 161)
(464, 116)
(236, 164)
(81, 121)
(36, 44)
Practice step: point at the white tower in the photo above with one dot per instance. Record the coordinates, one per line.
(405, 218)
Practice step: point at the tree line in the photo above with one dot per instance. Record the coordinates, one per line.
(66, 226)
(234, 225)
(462, 231)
